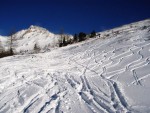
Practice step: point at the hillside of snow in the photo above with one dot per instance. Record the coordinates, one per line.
(107, 74)
(3, 43)
(25, 41)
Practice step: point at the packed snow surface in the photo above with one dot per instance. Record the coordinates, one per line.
(96, 76)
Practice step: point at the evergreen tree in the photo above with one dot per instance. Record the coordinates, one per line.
(93, 34)
(82, 36)
(11, 34)
(61, 35)
(64, 42)
(75, 38)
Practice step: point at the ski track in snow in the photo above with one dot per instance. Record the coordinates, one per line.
(96, 76)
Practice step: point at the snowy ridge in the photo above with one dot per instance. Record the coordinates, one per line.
(95, 76)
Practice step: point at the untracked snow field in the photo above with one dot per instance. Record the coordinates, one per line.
(109, 75)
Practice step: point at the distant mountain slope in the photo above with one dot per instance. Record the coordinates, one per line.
(3, 43)
(94, 76)
(26, 41)
(125, 29)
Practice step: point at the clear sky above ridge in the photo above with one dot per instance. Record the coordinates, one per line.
(72, 15)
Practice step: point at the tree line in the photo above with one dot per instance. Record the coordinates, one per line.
(76, 38)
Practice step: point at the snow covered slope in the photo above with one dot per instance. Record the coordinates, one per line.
(3, 43)
(95, 76)
(26, 41)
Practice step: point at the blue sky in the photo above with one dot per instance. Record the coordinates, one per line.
(72, 15)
